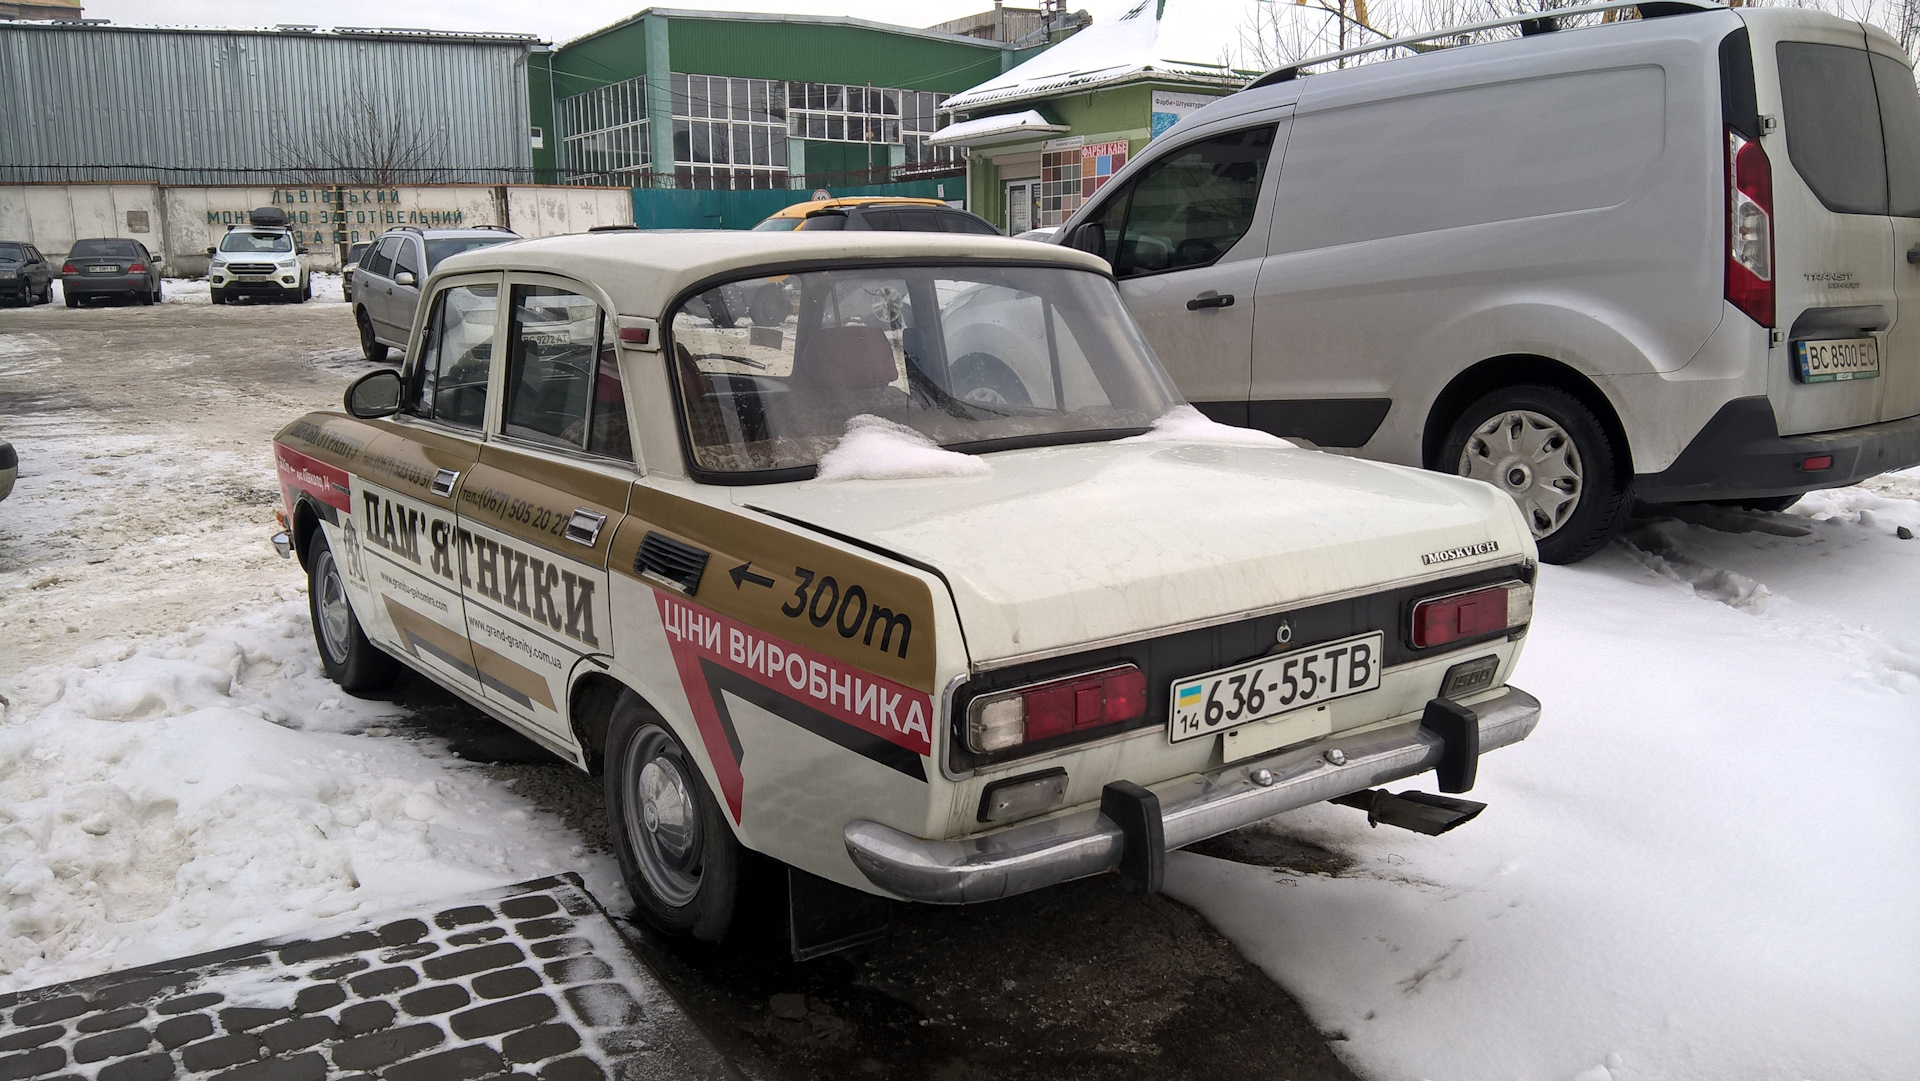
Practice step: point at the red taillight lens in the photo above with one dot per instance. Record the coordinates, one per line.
(69, 269)
(137, 268)
(1817, 463)
(1045, 710)
(1460, 616)
(1749, 228)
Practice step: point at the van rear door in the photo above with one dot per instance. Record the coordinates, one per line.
(1900, 125)
(1832, 236)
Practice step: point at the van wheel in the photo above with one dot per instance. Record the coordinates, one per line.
(370, 347)
(676, 850)
(985, 378)
(350, 660)
(1547, 450)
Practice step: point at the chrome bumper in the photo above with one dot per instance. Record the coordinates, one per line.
(1192, 808)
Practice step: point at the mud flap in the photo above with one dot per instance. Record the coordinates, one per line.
(1143, 858)
(1459, 730)
(825, 917)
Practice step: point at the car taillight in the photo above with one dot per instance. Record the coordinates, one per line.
(68, 269)
(137, 268)
(1056, 708)
(1471, 614)
(1749, 228)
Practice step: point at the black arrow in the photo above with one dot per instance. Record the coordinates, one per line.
(744, 573)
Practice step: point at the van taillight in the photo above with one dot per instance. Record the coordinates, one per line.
(1470, 614)
(1749, 228)
(1044, 710)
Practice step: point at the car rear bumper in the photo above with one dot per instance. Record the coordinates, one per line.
(93, 285)
(1192, 808)
(1740, 454)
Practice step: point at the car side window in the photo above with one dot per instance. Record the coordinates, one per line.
(1188, 208)
(380, 259)
(407, 259)
(449, 381)
(563, 375)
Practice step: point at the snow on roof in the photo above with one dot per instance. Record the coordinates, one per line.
(999, 128)
(1180, 40)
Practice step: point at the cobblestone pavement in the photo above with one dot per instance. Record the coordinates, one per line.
(532, 981)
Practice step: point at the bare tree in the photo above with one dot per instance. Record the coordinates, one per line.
(363, 142)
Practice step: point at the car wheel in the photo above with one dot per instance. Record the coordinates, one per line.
(159, 295)
(46, 294)
(1547, 450)
(144, 297)
(350, 659)
(675, 848)
(73, 301)
(217, 296)
(306, 290)
(370, 347)
(985, 378)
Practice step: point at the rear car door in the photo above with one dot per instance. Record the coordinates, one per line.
(378, 288)
(409, 480)
(1186, 235)
(541, 506)
(1900, 125)
(1833, 239)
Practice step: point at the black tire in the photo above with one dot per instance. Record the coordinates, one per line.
(73, 302)
(350, 659)
(145, 297)
(681, 862)
(370, 347)
(1571, 454)
(218, 296)
(306, 290)
(983, 377)
(46, 293)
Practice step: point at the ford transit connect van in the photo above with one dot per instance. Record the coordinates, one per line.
(1666, 258)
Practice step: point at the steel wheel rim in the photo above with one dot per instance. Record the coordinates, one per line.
(335, 616)
(662, 821)
(1530, 457)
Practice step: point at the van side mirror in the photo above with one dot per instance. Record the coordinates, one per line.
(374, 395)
(1090, 237)
(405, 277)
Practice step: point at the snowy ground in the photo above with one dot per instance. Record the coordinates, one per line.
(326, 290)
(1702, 865)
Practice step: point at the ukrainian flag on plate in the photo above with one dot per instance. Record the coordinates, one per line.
(1189, 695)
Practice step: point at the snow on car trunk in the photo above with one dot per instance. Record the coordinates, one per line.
(1702, 865)
(212, 787)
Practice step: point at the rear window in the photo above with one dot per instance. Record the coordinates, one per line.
(112, 249)
(967, 223)
(1900, 123)
(778, 225)
(1833, 125)
(440, 249)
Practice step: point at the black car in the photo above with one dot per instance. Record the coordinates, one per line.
(110, 267)
(893, 217)
(24, 273)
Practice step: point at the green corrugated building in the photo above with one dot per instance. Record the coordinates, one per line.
(729, 102)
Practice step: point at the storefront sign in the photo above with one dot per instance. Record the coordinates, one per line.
(1168, 108)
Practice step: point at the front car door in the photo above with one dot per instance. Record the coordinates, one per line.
(409, 273)
(408, 482)
(541, 506)
(1186, 234)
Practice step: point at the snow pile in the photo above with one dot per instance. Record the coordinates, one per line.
(1701, 866)
(213, 787)
(878, 449)
(1185, 424)
(326, 288)
(184, 291)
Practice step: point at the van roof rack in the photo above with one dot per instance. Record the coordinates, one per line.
(1530, 23)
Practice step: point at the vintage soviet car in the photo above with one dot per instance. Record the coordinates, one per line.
(999, 639)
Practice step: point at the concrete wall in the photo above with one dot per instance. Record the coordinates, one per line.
(181, 223)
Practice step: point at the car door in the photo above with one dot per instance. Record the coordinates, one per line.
(1900, 124)
(540, 508)
(409, 274)
(408, 482)
(379, 291)
(1186, 234)
(40, 272)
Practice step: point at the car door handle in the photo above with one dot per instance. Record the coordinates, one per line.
(585, 525)
(1913, 254)
(1210, 300)
(443, 482)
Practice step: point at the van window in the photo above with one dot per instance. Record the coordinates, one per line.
(1188, 208)
(1497, 152)
(1900, 120)
(1833, 125)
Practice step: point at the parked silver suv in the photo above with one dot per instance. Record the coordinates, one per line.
(386, 284)
(1669, 258)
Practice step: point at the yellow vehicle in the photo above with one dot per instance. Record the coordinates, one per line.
(878, 213)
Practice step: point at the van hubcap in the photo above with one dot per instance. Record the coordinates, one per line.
(664, 834)
(1531, 457)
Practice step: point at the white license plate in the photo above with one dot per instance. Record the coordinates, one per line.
(103, 270)
(1838, 359)
(1275, 684)
(255, 278)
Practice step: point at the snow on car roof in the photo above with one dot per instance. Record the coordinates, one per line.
(643, 270)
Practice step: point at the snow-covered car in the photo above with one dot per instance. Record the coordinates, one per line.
(704, 513)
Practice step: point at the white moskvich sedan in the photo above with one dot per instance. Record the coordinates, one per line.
(894, 558)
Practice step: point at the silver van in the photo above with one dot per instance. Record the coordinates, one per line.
(1668, 258)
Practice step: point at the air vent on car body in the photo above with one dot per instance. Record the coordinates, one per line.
(676, 561)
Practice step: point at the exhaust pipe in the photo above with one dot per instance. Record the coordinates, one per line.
(1421, 812)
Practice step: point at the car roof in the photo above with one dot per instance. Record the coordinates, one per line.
(801, 210)
(441, 232)
(644, 270)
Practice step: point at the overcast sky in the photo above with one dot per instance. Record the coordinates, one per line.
(551, 21)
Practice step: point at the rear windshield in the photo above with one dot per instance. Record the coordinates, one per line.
(251, 243)
(13, 251)
(778, 225)
(1853, 127)
(112, 249)
(772, 370)
(440, 249)
(355, 252)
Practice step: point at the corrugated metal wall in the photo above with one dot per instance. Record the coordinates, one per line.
(222, 107)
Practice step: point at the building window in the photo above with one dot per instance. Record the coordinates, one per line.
(605, 135)
(729, 133)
